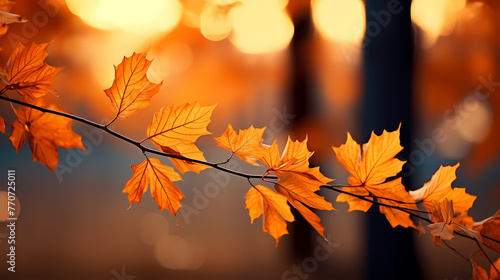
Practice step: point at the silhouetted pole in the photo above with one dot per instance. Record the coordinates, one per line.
(388, 71)
(299, 102)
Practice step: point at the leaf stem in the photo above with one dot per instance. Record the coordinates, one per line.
(113, 120)
(227, 160)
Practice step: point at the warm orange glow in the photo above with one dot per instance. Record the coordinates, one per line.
(109, 52)
(435, 18)
(154, 227)
(146, 17)
(475, 128)
(215, 24)
(174, 252)
(340, 20)
(191, 14)
(261, 26)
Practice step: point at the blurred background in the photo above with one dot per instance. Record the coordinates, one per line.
(318, 68)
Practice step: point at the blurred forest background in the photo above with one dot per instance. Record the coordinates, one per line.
(318, 68)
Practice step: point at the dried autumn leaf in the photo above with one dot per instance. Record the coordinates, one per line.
(175, 129)
(445, 223)
(7, 18)
(28, 73)
(131, 89)
(494, 274)
(151, 172)
(247, 144)
(299, 193)
(259, 200)
(2, 125)
(490, 230)
(45, 132)
(439, 188)
(479, 273)
(369, 170)
(442, 215)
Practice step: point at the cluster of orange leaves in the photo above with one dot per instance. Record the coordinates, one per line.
(175, 129)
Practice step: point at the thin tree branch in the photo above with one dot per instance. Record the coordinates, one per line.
(486, 256)
(492, 239)
(265, 177)
(406, 210)
(131, 141)
(455, 250)
(395, 200)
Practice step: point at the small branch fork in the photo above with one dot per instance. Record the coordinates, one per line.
(266, 177)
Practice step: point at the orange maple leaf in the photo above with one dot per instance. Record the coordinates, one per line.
(7, 18)
(28, 73)
(151, 172)
(294, 159)
(394, 193)
(479, 273)
(247, 144)
(260, 199)
(297, 181)
(490, 230)
(2, 125)
(175, 129)
(439, 188)
(369, 170)
(463, 219)
(131, 89)
(189, 150)
(45, 132)
(300, 192)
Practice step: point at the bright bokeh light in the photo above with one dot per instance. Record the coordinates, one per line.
(475, 123)
(476, 126)
(435, 18)
(144, 17)
(215, 25)
(261, 26)
(340, 20)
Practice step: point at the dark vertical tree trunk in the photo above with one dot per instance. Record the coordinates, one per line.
(300, 105)
(388, 56)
